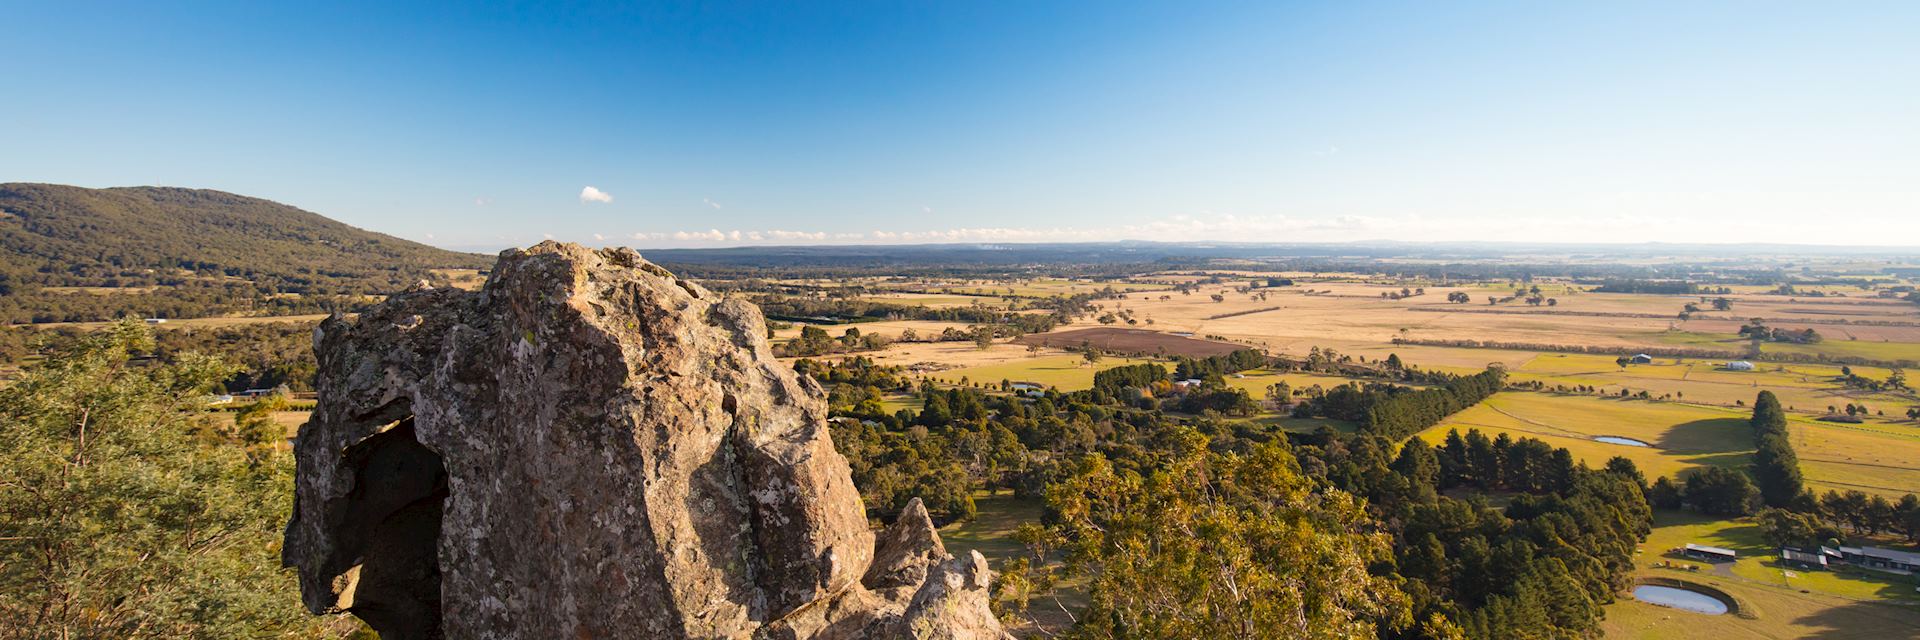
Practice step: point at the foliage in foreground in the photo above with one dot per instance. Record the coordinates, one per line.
(1221, 545)
(124, 515)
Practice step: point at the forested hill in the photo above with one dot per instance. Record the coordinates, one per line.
(181, 252)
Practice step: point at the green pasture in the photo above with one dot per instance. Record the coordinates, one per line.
(1681, 436)
(1067, 373)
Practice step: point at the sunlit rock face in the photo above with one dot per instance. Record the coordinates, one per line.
(591, 447)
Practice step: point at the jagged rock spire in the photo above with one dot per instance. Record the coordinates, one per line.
(589, 447)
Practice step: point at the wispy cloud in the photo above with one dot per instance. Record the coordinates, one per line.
(590, 194)
(711, 203)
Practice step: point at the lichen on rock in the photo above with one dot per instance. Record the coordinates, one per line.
(591, 447)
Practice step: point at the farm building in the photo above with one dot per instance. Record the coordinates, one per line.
(1739, 365)
(1803, 559)
(1641, 358)
(1709, 554)
(1878, 558)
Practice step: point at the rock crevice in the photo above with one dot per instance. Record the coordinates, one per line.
(590, 447)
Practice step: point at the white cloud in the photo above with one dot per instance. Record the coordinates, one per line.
(711, 203)
(590, 194)
(481, 202)
(599, 238)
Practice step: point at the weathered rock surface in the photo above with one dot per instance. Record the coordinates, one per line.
(590, 447)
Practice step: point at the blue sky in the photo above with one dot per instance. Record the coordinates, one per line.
(817, 122)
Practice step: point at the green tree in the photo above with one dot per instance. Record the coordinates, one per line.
(1776, 468)
(123, 518)
(1783, 528)
(983, 336)
(1214, 545)
(1720, 491)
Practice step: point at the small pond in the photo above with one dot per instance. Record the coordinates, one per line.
(1623, 441)
(1679, 599)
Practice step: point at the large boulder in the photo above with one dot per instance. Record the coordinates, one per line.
(588, 447)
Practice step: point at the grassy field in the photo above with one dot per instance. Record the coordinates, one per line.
(1872, 457)
(1707, 427)
(1256, 381)
(1808, 604)
(1067, 373)
(1833, 347)
(1680, 436)
(894, 402)
(991, 533)
(1805, 388)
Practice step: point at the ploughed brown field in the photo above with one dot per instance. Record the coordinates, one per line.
(1131, 341)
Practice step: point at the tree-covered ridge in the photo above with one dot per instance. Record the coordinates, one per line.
(212, 251)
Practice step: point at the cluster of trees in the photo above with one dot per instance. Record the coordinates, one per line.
(1211, 394)
(815, 341)
(1789, 290)
(189, 299)
(1896, 381)
(264, 355)
(1401, 415)
(1827, 521)
(1719, 491)
(1249, 526)
(1214, 366)
(1502, 463)
(1190, 541)
(1138, 376)
(1397, 411)
(1652, 286)
(1539, 568)
(130, 512)
(1757, 329)
(1719, 304)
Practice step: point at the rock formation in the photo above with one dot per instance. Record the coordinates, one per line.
(591, 447)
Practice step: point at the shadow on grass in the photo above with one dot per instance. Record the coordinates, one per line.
(1862, 621)
(1714, 435)
(1739, 459)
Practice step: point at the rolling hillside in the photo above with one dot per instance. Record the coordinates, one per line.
(74, 254)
